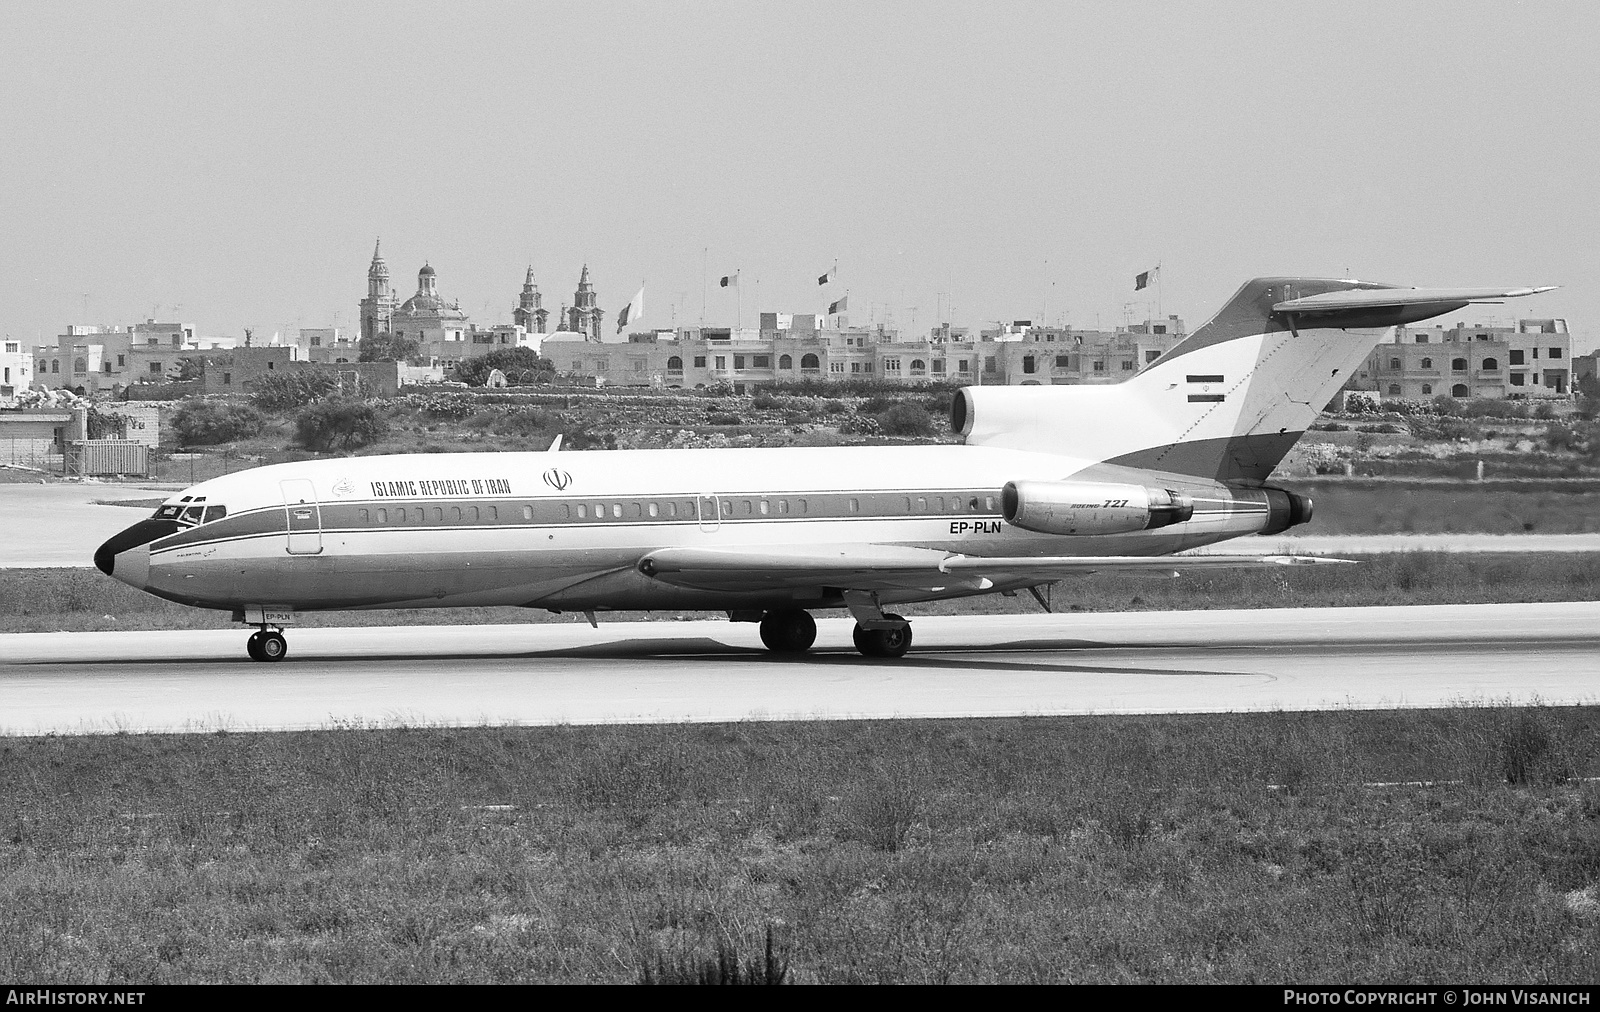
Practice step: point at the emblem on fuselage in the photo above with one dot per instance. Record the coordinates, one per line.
(344, 488)
(557, 478)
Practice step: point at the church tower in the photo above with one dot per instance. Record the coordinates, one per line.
(377, 309)
(530, 313)
(584, 316)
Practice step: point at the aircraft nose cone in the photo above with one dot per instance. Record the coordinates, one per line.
(105, 559)
(127, 556)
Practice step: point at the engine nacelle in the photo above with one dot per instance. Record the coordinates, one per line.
(1088, 507)
(1285, 509)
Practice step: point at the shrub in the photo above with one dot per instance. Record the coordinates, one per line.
(906, 420)
(764, 401)
(861, 425)
(1384, 427)
(520, 365)
(290, 390)
(107, 426)
(387, 348)
(1360, 402)
(207, 423)
(723, 418)
(330, 423)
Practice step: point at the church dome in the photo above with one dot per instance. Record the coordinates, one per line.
(427, 269)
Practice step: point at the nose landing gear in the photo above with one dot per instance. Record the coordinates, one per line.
(267, 645)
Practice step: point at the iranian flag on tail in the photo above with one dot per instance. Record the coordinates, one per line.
(632, 311)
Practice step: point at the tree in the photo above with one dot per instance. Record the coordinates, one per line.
(387, 348)
(282, 391)
(191, 368)
(342, 423)
(519, 365)
(207, 423)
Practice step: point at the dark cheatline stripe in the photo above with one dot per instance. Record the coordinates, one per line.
(1206, 398)
(1204, 379)
(1228, 458)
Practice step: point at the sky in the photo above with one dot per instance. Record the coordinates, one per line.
(231, 165)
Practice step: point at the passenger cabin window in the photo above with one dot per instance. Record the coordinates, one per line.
(527, 512)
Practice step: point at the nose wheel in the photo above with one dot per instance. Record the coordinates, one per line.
(267, 645)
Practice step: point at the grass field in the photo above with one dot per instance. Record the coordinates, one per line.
(45, 600)
(1356, 846)
(1388, 506)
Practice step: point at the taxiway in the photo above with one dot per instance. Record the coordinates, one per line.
(631, 672)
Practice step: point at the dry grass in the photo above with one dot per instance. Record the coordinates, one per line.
(1164, 849)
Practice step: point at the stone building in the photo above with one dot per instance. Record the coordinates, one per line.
(584, 317)
(530, 313)
(1529, 359)
(795, 348)
(16, 370)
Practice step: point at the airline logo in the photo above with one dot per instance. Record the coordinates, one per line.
(557, 478)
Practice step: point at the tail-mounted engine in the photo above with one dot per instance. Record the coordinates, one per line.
(1285, 510)
(1083, 508)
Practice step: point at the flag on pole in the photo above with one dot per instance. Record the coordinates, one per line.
(632, 311)
(729, 280)
(825, 278)
(1143, 280)
(838, 307)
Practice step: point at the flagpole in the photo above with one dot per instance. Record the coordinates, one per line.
(1158, 289)
(703, 254)
(738, 302)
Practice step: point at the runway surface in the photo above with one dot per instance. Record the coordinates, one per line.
(631, 672)
(64, 523)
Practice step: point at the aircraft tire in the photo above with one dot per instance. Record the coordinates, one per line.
(252, 646)
(788, 632)
(884, 642)
(273, 646)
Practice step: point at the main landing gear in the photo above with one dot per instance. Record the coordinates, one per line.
(877, 634)
(266, 645)
(788, 632)
(892, 642)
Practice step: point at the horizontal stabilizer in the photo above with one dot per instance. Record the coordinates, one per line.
(893, 568)
(1382, 298)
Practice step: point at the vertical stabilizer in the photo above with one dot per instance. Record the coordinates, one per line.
(1230, 400)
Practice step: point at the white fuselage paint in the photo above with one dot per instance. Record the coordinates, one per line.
(340, 542)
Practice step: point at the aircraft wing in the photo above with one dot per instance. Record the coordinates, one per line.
(1385, 298)
(889, 567)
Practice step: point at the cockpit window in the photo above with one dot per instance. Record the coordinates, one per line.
(191, 511)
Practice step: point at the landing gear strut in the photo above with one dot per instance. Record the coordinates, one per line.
(877, 634)
(266, 645)
(788, 632)
(884, 642)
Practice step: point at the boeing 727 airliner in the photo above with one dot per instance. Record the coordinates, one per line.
(1051, 482)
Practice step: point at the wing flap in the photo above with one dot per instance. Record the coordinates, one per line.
(888, 567)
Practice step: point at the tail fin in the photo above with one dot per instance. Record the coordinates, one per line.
(1231, 399)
